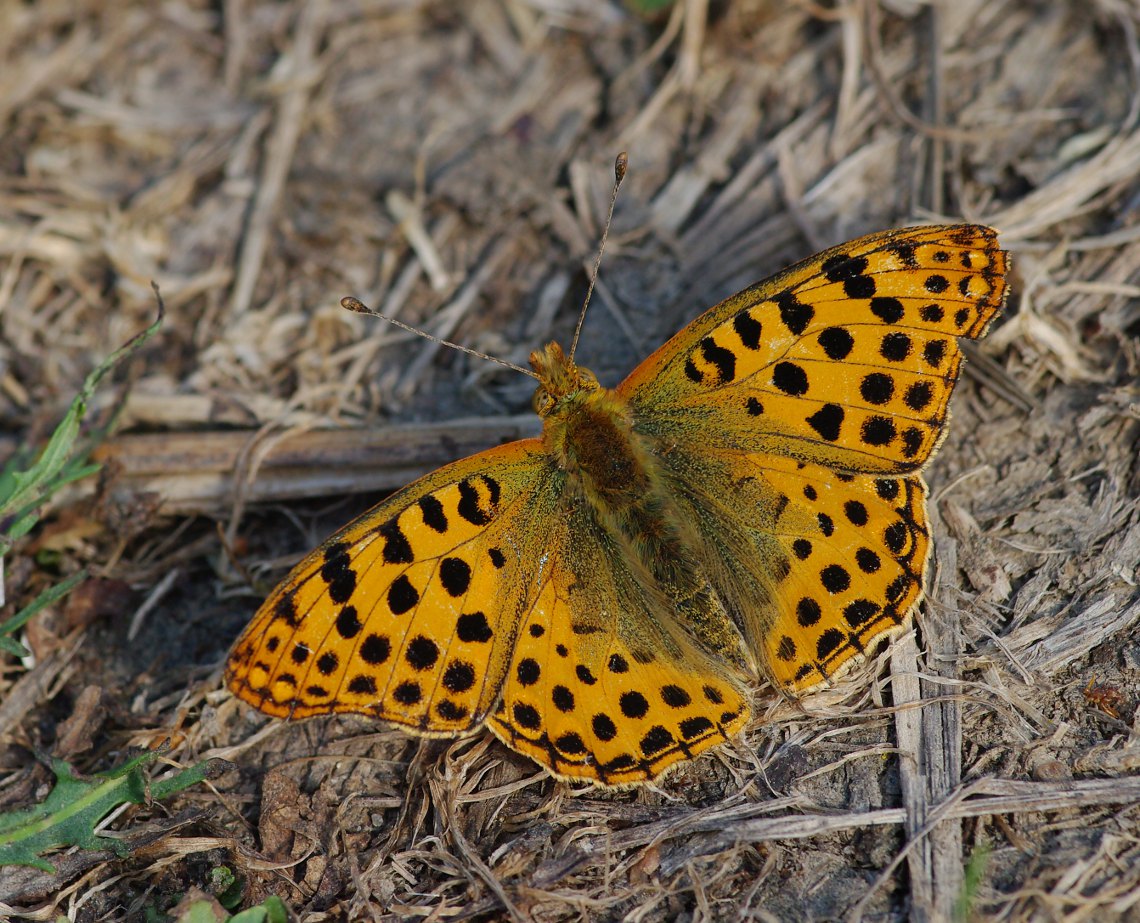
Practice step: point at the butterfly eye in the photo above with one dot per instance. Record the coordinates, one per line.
(542, 402)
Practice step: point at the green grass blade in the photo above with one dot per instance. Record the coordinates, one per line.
(76, 806)
(46, 598)
(25, 490)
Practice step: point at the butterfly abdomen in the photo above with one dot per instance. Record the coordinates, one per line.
(614, 469)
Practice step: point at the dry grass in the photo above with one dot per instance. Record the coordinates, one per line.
(448, 163)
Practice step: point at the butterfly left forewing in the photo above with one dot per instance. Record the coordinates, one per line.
(409, 613)
(846, 360)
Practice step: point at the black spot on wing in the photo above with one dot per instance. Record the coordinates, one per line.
(936, 283)
(348, 622)
(877, 388)
(695, 726)
(895, 347)
(747, 328)
(723, 360)
(469, 507)
(849, 270)
(397, 549)
(408, 693)
(918, 396)
(888, 310)
(375, 650)
(656, 738)
(527, 716)
(618, 664)
(790, 378)
(421, 653)
(934, 352)
(402, 595)
(528, 671)
(432, 511)
(472, 627)
(459, 676)
(451, 711)
(362, 685)
(808, 612)
(455, 575)
(794, 313)
(337, 572)
(906, 254)
(827, 421)
(877, 430)
(837, 342)
(828, 643)
(285, 609)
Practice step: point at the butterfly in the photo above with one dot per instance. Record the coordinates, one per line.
(747, 504)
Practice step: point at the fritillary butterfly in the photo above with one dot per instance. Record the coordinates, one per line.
(747, 503)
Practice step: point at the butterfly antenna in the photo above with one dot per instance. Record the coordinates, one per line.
(621, 164)
(358, 307)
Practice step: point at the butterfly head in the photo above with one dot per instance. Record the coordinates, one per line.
(559, 378)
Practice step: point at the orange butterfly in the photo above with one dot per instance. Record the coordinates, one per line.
(748, 502)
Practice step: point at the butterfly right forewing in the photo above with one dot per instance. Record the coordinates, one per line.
(846, 359)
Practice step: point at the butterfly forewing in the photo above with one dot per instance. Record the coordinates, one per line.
(410, 613)
(846, 360)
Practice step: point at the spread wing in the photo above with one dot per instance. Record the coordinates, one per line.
(791, 421)
(846, 359)
(603, 684)
(410, 613)
(818, 565)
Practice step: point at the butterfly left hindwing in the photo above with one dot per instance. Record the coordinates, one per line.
(605, 684)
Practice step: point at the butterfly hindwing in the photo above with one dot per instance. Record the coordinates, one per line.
(857, 548)
(852, 553)
(846, 360)
(604, 685)
(816, 564)
(409, 614)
